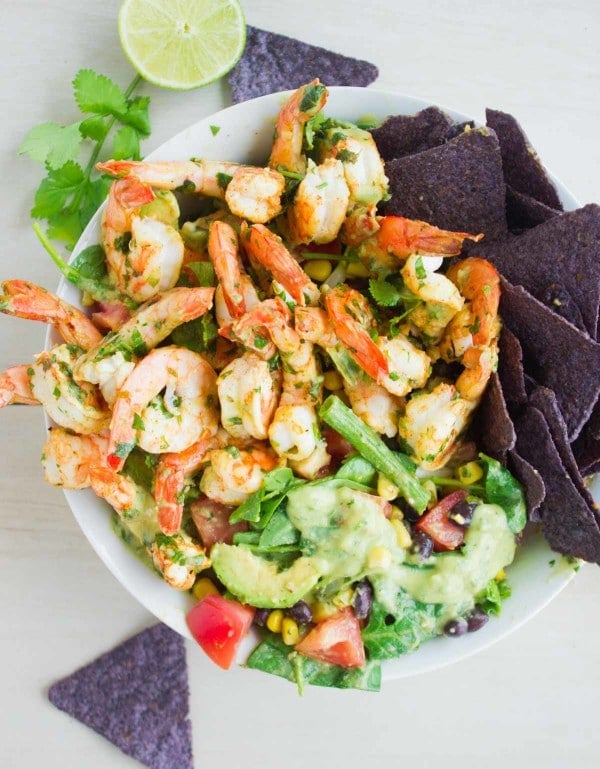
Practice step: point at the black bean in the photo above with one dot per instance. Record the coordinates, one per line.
(462, 512)
(261, 616)
(363, 599)
(456, 627)
(301, 612)
(422, 544)
(477, 619)
(409, 512)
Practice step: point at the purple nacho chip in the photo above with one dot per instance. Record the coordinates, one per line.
(456, 129)
(557, 261)
(510, 368)
(273, 62)
(401, 135)
(137, 696)
(544, 400)
(524, 212)
(523, 170)
(569, 525)
(493, 423)
(456, 186)
(586, 448)
(535, 490)
(557, 354)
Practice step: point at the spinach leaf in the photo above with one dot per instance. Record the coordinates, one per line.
(141, 468)
(91, 263)
(389, 634)
(262, 504)
(273, 656)
(198, 335)
(494, 594)
(503, 489)
(279, 531)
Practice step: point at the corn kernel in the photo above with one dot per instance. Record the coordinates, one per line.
(290, 633)
(318, 269)
(379, 559)
(386, 489)
(500, 576)
(332, 380)
(396, 513)
(275, 621)
(402, 534)
(469, 473)
(343, 598)
(203, 587)
(357, 270)
(322, 610)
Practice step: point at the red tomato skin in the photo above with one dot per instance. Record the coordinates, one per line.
(219, 625)
(337, 446)
(336, 640)
(446, 534)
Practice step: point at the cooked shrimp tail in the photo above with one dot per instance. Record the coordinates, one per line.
(15, 387)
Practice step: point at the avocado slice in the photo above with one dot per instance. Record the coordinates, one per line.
(256, 581)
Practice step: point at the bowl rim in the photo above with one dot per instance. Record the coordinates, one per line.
(81, 502)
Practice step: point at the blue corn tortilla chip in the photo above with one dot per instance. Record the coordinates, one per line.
(535, 490)
(137, 696)
(510, 368)
(273, 62)
(568, 523)
(524, 212)
(401, 135)
(555, 353)
(523, 170)
(544, 400)
(456, 186)
(496, 433)
(559, 261)
(587, 446)
(458, 128)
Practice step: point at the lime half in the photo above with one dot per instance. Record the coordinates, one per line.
(182, 44)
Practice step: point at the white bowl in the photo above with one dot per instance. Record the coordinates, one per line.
(246, 132)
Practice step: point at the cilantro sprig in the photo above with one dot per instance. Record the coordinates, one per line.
(72, 190)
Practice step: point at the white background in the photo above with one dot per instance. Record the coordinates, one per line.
(533, 699)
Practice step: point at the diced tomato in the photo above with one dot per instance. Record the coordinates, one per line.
(334, 247)
(110, 315)
(336, 640)
(219, 625)
(338, 447)
(212, 521)
(445, 534)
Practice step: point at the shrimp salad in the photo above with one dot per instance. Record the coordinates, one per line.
(277, 399)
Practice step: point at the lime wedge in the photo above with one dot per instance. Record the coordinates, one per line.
(182, 44)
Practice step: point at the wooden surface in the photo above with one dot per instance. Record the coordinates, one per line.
(533, 699)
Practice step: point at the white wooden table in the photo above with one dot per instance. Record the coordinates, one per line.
(533, 699)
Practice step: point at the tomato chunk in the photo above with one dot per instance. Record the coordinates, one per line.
(212, 521)
(336, 640)
(446, 534)
(219, 625)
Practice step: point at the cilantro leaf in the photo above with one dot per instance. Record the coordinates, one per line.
(384, 293)
(52, 143)
(56, 189)
(98, 94)
(95, 127)
(126, 143)
(90, 263)
(137, 115)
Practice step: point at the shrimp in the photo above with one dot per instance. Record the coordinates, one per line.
(477, 324)
(251, 192)
(76, 462)
(319, 206)
(171, 473)
(294, 431)
(301, 106)
(168, 423)
(233, 474)
(235, 292)
(268, 249)
(143, 254)
(74, 405)
(248, 393)
(15, 387)
(396, 238)
(110, 361)
(480, 363)
(363, 166)
(432, 422)
(26, 300)
(441, 298)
